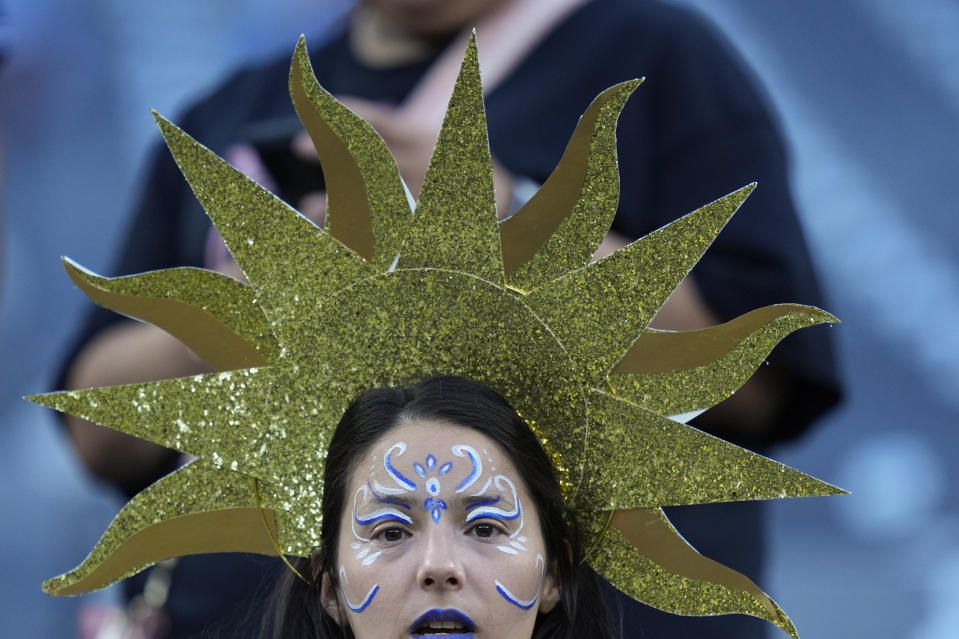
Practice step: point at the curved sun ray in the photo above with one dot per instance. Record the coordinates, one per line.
(367, 208)
(195, 509)
(598, 311)
(659, 462)
(214, 315)
(644, 556)
(559, 229)
(287, 254)
(667, 371)
(455, 226)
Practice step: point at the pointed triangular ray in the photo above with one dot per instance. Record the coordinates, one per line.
(455, 227)
(671, 372)
(196, 509)
(291, 264)
(642, 555)
(638, 459)
(366, 202)
(559, 229)
(598, 311)
(214, 315)
(220, 417)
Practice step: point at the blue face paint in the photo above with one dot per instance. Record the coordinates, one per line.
(510, 597)
(387, 500)
(488, 509)
(485, 502)
(396, 475)
(433, 504)
(366, 600)
(380, 514)
(360, 607)
(524, 604)
(465, 451)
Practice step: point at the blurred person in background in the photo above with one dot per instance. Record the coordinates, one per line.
(4, 44)
(696, 130)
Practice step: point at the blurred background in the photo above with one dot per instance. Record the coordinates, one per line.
(868, 99)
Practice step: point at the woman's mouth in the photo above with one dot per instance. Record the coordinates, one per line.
(447, 624)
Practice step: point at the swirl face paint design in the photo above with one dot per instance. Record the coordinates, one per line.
(433, 503)
(386, 495)
(428, 471)
(394, 474)
(461, 450)
(387, 513)
(488, 508)
(386, 498)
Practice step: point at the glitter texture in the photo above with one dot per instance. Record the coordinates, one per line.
(455, 223)
(636, 458)
(598, 311)
(327, 316)
(291, 266)
(654, 564)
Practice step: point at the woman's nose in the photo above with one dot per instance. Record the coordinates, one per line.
(441, 567)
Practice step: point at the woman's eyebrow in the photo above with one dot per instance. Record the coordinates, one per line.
(387, 514)
(396, 500)
(476, 501)
(487, 505)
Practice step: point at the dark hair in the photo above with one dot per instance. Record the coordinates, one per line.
(297, 612)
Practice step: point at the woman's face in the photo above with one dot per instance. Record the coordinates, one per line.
(439, 539)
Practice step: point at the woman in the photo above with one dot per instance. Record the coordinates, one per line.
(700, 130)
(385, 296)
(387, 563)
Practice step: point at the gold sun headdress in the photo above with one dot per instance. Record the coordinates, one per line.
(386, 296)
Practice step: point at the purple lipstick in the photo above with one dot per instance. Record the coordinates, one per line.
(445, 624)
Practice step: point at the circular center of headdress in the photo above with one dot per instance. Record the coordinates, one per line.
(410, 324)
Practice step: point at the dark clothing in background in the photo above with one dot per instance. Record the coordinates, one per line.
(693, 132)
(5, 37)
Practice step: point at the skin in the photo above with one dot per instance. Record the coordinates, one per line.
(402, 22)
(464, 556)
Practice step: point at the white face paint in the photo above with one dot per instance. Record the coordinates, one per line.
(438, 531)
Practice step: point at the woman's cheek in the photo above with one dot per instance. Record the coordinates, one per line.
(521, 582)
(513, 576)
(365, 579)
(358, 588)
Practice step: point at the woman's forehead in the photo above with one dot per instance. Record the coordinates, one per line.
(425, 448)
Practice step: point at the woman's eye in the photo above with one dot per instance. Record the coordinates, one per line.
(485, 530)
(390, 534)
